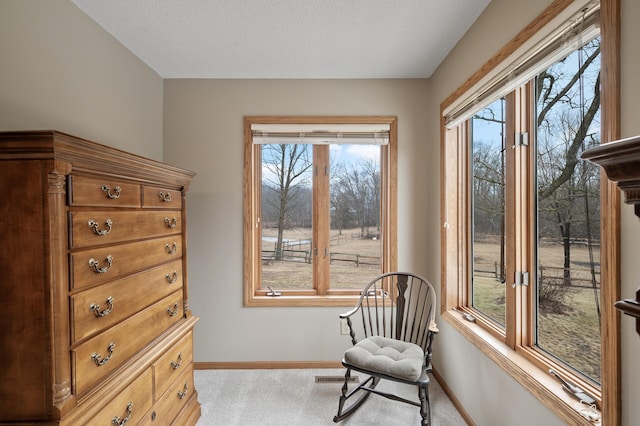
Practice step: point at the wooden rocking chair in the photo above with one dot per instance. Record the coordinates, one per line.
(398, 326)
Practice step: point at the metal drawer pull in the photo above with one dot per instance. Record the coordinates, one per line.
(176, 364)
(173, 311)
(113, 196)
(172, 278)
(95, 265)
(116, 420)
(171, 249)
(96, 308)
(100, 232)
(96, 356)
(183, 393)
(164, 196)
(171, 223)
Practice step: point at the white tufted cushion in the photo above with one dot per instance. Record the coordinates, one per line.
(392, 357)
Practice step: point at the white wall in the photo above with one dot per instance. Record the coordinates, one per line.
(204, 132)
(488, 394)
(61, 71)
(630, 54)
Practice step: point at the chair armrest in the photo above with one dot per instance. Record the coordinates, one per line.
(351, 312)
(347, 316)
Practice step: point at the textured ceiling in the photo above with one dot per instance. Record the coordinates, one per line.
(287, 38)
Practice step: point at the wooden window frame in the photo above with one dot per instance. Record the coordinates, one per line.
(254, 296)
(515, 354)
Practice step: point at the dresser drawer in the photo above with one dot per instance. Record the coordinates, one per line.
(101, 307)
(169, 366)
(108, 227)
(84, 191)
(97, 265)
(153, 196)
(174, 399)
(129, 406)
(94, 359)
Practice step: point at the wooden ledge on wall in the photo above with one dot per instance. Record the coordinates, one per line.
(621, 162)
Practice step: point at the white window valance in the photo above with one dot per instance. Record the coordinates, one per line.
(578, 23)
(371, 134)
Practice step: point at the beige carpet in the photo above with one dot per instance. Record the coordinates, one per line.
(292, 397)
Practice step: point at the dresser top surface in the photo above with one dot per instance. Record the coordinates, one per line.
(84, 156)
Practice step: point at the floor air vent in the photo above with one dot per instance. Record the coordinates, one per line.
(335, 379)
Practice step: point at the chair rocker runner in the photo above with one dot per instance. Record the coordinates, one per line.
(398, 326)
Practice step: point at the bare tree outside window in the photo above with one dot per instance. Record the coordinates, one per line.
(285, 184)
(288, 247)
(488, 211)
(568, 204)
(355, 206)
(567, 107)
(286, 214)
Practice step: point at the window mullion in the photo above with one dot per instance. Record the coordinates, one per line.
(321, 218)
(518, 215)
(256, 216)
(511, 222)
(389, 201)
(525, 215)
(455, 199)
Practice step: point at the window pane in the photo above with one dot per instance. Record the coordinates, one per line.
(568, 211)
(355, 215)
(488, 247)
(286, 216)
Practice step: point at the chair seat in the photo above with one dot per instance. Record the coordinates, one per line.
(391, 357)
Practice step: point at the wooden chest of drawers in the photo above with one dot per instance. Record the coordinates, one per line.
(95, 326)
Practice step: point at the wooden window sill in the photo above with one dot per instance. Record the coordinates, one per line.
(301, 300)
(536, 380)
